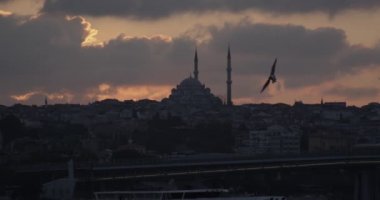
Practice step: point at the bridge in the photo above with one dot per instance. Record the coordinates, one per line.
(363, 168)
(179, 167)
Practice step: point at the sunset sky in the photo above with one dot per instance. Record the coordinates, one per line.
(80, 51)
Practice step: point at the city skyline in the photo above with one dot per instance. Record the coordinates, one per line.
(86, 51)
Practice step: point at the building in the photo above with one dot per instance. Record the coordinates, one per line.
(273, 140)
(192, 93)
(330, 141)
(229, 81)
(61, 189)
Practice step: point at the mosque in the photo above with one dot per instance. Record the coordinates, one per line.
(192, 93)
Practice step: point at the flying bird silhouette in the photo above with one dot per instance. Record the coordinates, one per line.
(271, 77)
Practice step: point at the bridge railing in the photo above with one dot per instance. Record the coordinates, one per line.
(183, 160)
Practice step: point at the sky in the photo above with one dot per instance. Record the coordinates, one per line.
(73, 51)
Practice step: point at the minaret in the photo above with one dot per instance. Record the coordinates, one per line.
(196, 65)
(229, 81)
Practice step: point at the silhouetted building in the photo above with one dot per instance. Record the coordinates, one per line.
(46, 101)
(196, 65)
(328, 141)
(61, 189)
(229, 81)
(335, 105)
(275, 139)
(191, 92)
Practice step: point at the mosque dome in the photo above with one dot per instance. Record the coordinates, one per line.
(191, 92)
(190, 82)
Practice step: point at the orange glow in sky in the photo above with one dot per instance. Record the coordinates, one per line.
(360, 26)
(107, 91)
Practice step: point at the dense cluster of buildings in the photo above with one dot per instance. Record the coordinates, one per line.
(106, 128)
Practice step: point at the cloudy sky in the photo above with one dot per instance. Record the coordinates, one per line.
(79, 51)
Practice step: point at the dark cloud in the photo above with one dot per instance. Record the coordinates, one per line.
(354, 93)
(152, 9)
(44, 54)
(37, 50)
(305, 56)
(359, 55)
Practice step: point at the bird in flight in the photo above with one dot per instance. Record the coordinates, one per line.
(271, 77)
